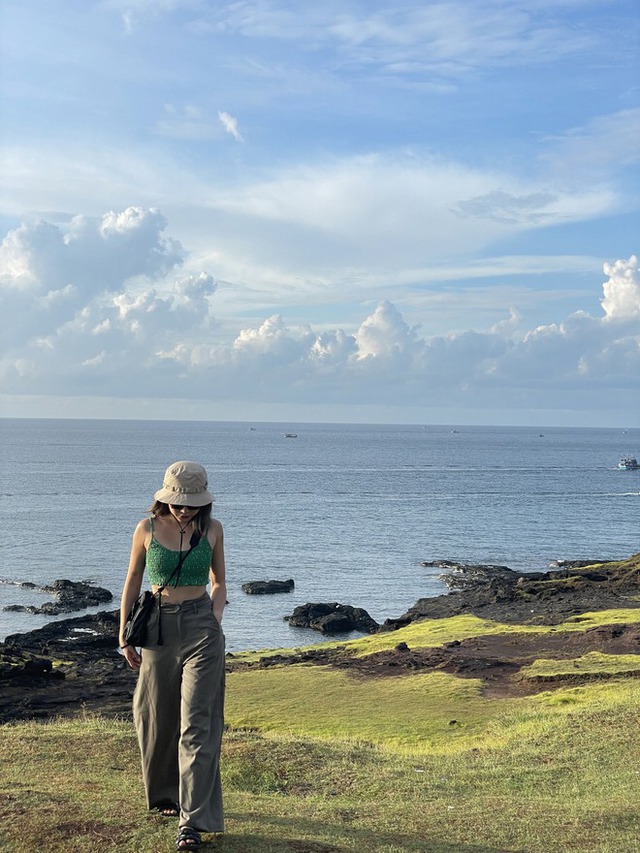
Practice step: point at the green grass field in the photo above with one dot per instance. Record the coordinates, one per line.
(320, 761)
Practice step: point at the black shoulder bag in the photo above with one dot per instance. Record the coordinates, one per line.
(137, 624)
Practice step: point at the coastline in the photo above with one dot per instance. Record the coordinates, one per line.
(73, 665)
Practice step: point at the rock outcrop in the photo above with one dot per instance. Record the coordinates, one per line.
(70, 596)
(332, 618)
(547, 598)
(65, 667)
(270, 587)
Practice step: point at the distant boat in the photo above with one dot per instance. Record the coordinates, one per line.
(628, 463)
(290, 435)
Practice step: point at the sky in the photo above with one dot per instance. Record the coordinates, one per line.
(393, 212)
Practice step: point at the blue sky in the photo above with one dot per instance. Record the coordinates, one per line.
(405, 212)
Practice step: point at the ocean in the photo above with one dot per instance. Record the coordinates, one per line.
(348, 511)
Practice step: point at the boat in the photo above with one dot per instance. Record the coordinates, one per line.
(291, 435)
(628, 463)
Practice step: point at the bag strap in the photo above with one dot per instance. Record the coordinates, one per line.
(193, 543)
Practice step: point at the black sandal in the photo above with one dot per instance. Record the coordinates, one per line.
(190, 837)
(168, 809)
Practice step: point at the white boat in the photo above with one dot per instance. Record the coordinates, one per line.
(628, 463)
(291, 435)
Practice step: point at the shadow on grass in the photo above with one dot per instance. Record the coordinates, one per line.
(362, 840)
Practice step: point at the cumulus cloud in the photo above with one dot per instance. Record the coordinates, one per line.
(91, 254)
(385, 359)
(622, 290)
(94, 298)
(509, 325)
(51, 276)
(384, 333)
(97, 307)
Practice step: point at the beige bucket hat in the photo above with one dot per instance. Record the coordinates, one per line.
(185, 484)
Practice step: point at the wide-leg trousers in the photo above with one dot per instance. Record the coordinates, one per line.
(178, 709)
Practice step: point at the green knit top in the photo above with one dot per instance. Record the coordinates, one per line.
(161, 563)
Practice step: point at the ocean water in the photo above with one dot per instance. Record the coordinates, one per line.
(348, 511)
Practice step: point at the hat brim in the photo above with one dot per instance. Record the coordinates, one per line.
(167, 496)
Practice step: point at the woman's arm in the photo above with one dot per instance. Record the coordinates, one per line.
(132, 586)
(218, 572)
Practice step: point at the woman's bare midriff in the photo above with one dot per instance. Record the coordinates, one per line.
(180, 594)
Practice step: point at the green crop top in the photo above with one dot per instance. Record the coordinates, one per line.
(161, 562)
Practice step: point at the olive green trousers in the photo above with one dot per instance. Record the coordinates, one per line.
(178, 709)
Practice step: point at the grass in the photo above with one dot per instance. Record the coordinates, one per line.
(555, 778)
(319, 761)
(415, 711)
(431, 711)
(589, 666)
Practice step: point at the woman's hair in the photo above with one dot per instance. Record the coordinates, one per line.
(200, 520)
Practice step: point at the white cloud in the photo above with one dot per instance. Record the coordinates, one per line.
(622, 290)
(384, 333)
(51, 277)
(230, 124)
(92, 254)
(388, 212)
(375, 220)
(446, 38)
(135, 328)
(604, 142)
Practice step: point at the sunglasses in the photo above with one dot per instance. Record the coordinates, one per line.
(178, 507)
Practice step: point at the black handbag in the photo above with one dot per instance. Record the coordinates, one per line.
(136, 628)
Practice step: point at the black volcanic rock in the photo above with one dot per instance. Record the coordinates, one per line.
(70, 595)
(546, 598)
(66, 667)
(332, 618)
(271, 587)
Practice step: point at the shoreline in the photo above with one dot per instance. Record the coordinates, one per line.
(74, 665)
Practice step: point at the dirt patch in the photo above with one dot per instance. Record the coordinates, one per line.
(496, 659)
(93, 829)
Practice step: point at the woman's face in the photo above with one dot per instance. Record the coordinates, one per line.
(183, 514)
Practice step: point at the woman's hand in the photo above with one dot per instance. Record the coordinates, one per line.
(132, 657)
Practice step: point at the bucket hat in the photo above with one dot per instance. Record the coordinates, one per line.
(185, 484)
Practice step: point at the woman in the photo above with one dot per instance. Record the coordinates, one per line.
(179, 698)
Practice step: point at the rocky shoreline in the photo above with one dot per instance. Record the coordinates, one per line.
(534, 598)
(69, 596)
(72, 666)
(65, 668)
